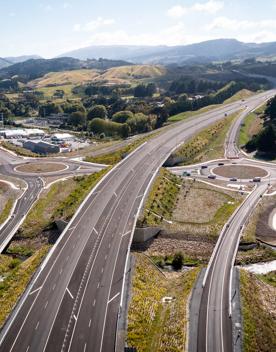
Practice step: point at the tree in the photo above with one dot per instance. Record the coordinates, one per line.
(122, 116)
(48, 109)
(77, 118)
(98, 111)
(178, 261)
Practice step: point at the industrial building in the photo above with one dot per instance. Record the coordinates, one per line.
(22, 133)
(40, 147)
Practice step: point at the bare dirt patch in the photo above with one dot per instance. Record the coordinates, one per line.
(41, 167)
(240, 172)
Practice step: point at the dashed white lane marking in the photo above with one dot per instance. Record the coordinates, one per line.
(46, 304)
(70, 294)
(84, 349)
(127, 233)
(37, 325)
(94, 303)
(75, 317)
(89, 323)
(98, 285)
(115, 194)
(114, 297)
(102, 270)
(35, 291)
(27, 348)
(54, 286)
(96, 231)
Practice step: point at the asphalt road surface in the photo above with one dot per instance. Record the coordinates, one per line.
(34, 186)
(215, 325)
(74, 302)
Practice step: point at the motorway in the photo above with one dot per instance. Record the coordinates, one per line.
(73, 303)
(214, 332)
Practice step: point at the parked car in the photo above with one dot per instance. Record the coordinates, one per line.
(212, 177)
(233, 179)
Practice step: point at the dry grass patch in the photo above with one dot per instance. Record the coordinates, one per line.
(154, 326)
(41, 167)
(259, 314)
(240, 172)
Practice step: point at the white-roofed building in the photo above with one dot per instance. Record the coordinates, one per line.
(62, 137)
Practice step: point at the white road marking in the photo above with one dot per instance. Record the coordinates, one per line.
(35, 291)
(115, 194)
(127, 233)
(96, 231)
(54, 286)
(89, 323)
(94, 303)
(70, 294)
(114, 297)
(84, 349)
(98, 285)
(46, 304)
(37, 325)
(75, 317)
(27, 348)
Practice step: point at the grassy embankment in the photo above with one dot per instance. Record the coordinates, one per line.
(6, 211)
(193, 207)
(208, 144)
(162, 199)
(258, 310)
(154, 326)
(31, 244)
(243, 94)
(113, 158)
(252, 125)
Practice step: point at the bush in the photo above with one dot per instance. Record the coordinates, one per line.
(178, 261)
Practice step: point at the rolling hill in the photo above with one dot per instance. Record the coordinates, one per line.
(116, 75)
(212, 50)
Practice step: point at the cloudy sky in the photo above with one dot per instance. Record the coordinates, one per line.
(52, 27)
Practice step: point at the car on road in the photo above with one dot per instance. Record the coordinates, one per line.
(212, 177)
(233, 179)
(204, 167)
(186, 173)
(257, 179)
(220, 164)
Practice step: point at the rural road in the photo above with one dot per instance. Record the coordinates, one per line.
(74, 302)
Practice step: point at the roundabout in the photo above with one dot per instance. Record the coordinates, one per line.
(41, 168)
(242, 172)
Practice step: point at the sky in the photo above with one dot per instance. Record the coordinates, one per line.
(52, 27)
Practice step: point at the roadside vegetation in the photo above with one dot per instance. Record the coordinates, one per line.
(251, 126)
(161, 200)
(154, 326)
(206, 145)
(34, 238)
(259, 314)
(6, 210)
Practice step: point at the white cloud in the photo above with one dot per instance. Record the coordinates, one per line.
(237, 25)
(94, 25)
(66, 5)
(211, 7)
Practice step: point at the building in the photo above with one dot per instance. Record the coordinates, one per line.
(21, 133)
(60, 138)
(40, 147)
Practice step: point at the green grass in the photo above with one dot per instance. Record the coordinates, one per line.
(6, 211)
(152, 325)
(16, 275)
(243, 94)
(162, 198)
(258, 323)
(206, 145)
(269, 278)
(115, 157)
(60, 202)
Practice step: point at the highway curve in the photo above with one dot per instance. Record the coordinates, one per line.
(74, 301)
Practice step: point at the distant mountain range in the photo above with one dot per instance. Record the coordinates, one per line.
(8, 61)
(212, 50)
